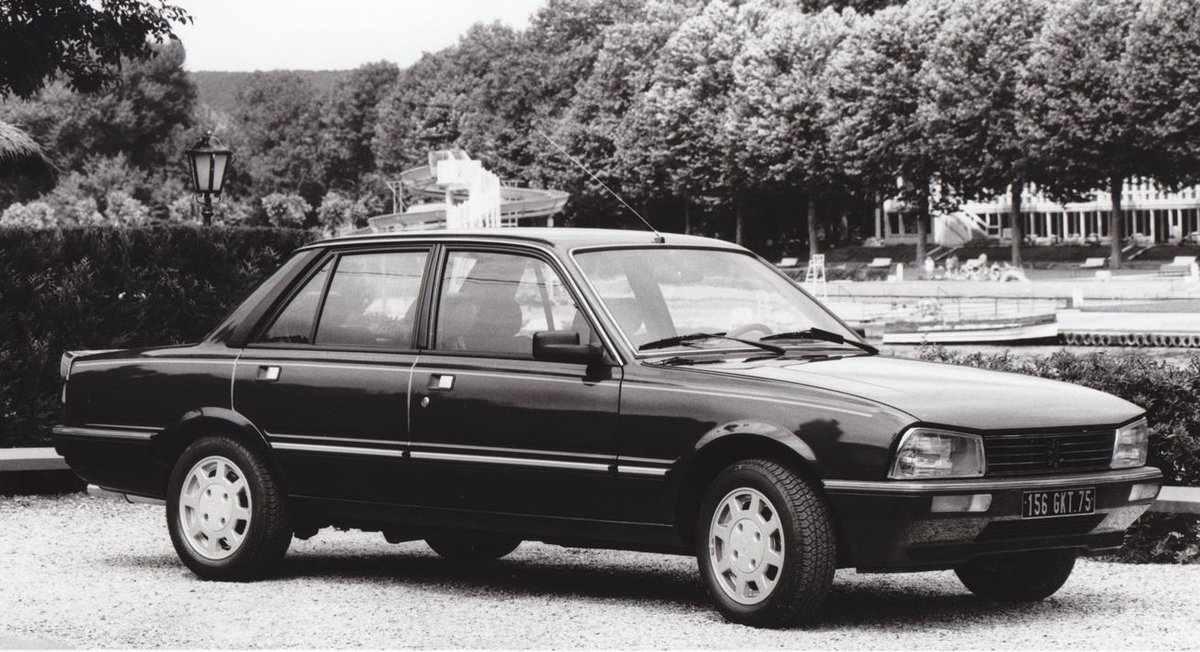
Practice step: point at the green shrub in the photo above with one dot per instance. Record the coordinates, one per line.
(1170, 393)
(97, 288)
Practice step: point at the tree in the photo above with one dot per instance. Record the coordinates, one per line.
(1158, 75)
(676, 128)
(80, 41)
(144, 119)
(276, 135)
(968, 86)
(348, 123)
(143, 116)
(1075, 114)
(25, 170)
(419, 114)
(592, 127)
(872, 102)
(495, 90)
(775, 113)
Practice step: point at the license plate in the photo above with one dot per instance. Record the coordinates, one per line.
(1066, 502)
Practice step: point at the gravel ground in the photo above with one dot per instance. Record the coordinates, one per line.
(86, 572)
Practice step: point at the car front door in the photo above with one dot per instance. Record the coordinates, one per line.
(492, 428)
(327, 379)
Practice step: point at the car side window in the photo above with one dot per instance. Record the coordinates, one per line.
(372, 300)
(494, 303)
(294, 325)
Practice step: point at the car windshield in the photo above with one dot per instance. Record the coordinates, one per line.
(660, 295)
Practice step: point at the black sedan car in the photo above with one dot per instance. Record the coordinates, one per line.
(601, 389)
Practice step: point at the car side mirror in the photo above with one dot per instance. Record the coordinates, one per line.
(564, 346)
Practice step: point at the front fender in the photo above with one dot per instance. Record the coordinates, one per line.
(775, 433)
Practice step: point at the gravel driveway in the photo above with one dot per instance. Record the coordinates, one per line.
(87, 572)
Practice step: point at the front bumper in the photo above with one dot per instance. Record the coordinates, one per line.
(891, 525)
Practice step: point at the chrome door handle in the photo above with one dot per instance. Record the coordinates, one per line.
(441, 382)
(269, 374)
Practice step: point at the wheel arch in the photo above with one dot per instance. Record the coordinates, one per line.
(731, 443)
(173, 440)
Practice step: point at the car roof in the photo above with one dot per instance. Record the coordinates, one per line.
(562, 238)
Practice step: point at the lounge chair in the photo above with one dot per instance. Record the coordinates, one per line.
(1181, 266)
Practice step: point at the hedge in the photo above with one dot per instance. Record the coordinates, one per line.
(97, 288)
(1170, 392)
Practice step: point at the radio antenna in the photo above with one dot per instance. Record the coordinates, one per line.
(658, 237)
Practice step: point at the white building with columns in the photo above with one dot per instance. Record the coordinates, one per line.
(1151, 216)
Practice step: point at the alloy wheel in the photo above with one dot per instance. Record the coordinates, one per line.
(746, 546)
(215, 507)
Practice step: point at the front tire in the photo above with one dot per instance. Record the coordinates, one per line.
(1018, 576)
(226, 513)
(765, 545)
(470, 547)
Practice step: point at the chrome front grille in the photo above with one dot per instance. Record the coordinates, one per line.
(1024, 454)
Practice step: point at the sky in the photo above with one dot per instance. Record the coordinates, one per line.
(250, 35)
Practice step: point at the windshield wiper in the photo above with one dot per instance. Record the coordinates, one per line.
(824, 336)
(680, 361)
(693, 337)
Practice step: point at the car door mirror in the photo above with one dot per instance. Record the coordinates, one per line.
(564, 346)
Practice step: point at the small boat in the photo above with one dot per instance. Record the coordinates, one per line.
(1025, 329)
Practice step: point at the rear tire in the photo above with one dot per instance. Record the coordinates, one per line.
(1018, 576)
(227, 516)
(471, 547)
(765, 545)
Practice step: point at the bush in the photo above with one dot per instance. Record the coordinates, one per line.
(35, 214)
(122, 209)
(335, 212)
(1171, 396)
(285, 209)
(101, 288)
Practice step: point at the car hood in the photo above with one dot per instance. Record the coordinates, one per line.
(946, 394)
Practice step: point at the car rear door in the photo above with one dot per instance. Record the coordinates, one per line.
(492, 428)
(327, 378)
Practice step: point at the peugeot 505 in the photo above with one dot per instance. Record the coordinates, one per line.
(599, 388)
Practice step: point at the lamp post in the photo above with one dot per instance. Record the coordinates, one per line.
(208, 159)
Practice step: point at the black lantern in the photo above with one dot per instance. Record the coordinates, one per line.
(208, 160)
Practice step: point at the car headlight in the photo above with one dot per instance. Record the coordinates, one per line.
(926, 453)
(1129, 449)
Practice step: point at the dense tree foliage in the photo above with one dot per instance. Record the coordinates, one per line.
(873, 101)
(276, 131)
(777, 133)
(1076, 116)
(131, 134)
(348, 119)
(969, 84)
(762, 121)
(677, 126)
(80, 41)
(1158, 75)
